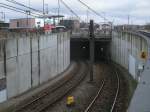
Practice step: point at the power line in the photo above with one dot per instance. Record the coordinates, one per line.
(19, 9)
(69, 9)
(16, 9)
(11, 6)
(98, 14)
(12, 9)
(17, 3)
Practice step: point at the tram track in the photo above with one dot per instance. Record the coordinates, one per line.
(97, 104)
(48, 97)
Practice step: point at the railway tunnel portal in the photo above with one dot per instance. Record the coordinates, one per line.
(80, 49)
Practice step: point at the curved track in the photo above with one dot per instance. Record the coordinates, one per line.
(48, 97)
(95, 105)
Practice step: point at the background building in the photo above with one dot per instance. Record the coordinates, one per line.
(26, 23)
(3, 25)
(73, 25)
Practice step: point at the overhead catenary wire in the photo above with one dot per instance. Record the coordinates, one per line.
(16, 10)
(17, 3)
(12, 9)
(98, 14)
(69, 9)
(20, 9)
(12, 6)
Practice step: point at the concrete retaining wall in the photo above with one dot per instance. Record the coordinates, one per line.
(28, 60)
(126, 48)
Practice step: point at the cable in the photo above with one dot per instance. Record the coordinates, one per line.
(12, 9)
(11, 6)
(15, 2)
(93, 10)
(19, 9)
(16, 10)
(69, 9)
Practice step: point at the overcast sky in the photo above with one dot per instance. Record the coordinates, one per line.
(114, 10)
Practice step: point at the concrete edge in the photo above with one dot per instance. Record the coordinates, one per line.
(8, 105)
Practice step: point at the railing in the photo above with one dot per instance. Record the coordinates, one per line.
(85, 34)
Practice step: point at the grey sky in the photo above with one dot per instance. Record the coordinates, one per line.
(114, 10)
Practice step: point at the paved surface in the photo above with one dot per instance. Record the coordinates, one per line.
(141, 98)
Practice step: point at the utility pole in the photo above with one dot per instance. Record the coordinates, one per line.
(58, 9)
(3, 16)
(128, 19)
(28, 13)
(87, 14)
(46, 5)
(92, 47)
(43, 7)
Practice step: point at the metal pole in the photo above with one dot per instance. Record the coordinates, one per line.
(43, 7)
(28, 13)
(87, 15)
(128, 19)
(4, 16)
(92, 46)
(46, 5)
(58, 10)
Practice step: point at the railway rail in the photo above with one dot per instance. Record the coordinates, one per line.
(95, 105)
(51, 95)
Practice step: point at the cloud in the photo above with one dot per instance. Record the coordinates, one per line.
(116, 10)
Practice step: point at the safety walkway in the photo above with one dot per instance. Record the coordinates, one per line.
(141, 99)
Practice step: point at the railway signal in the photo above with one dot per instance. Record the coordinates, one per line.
(143, 55)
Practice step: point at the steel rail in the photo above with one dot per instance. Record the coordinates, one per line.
(116, 96)
(97, 95)
(45, 94)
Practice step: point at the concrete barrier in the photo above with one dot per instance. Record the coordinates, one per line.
(126, 49)
(28, 60)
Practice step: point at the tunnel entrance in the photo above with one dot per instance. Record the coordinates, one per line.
(102, 51)
(80, 50)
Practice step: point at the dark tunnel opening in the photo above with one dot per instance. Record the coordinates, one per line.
(80, 50)
(102, 51)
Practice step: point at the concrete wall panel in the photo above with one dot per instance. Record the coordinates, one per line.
(12, 77)
(34, 44)
(24, 71)
(1, 69)
(23, 46)
(43, 66)
(59, 54)
(11, 47)
(1, 59)
(35, 70)
(125, 44)
(32, 59)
